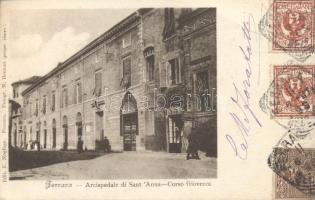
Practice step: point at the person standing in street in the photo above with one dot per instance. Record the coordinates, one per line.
(193, 146)
(80, 145)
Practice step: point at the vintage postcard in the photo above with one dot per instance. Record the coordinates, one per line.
(157, 99)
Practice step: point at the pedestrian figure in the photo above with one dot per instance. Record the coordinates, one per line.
(80, 145)
(107, 147)
(193, 145)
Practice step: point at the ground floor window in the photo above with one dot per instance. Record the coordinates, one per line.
(175, 126)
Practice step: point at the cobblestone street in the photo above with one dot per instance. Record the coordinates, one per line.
(126, 165)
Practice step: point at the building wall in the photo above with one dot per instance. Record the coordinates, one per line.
(199, 46)
(146, 31)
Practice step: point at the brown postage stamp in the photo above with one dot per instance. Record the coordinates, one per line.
(283, 190)
(294, 95)
(293, 25)
(294, 171)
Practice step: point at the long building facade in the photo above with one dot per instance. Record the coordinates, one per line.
(145, 84)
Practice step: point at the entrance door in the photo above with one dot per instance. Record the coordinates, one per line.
(54, 138)
(15, 135)
(45, 138)
(99, 125)
(21, 140)
(79, 130)
(38, 137)
(24, 142)
(174, 133)
(65, 133)
(130, 130)
(79, 126)
(54, 133)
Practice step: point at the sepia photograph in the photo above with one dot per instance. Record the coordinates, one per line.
(112, 94)
(156, 99)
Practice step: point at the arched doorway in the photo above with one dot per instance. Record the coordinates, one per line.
(24, 139)
(38, 135)
(54, 133)
(15, 136)
(129, 122)
(45, 134)
(79, 126)
(21, 140)
(65, 132)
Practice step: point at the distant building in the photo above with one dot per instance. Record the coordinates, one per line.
(16, 135)
(144, 84)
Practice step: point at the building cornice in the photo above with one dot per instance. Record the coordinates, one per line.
(185, 18)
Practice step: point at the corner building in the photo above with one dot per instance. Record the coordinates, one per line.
(116, 85)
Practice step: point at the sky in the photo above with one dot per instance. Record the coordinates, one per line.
(39, 39)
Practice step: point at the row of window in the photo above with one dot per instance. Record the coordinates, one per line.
(172, 76)
(77, 98)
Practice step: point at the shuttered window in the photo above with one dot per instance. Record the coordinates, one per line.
(126, 80)
(169, 20)
(202, 90)
(53, 101)
(79, 92)
(171, 72)
(44, 105)
(163, 74)
(150, 68)
(30, 111)
(36, 108)
(75, 94)
(174, 72)
(64, 98)
(98, 84)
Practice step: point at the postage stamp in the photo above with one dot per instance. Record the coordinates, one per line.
(289, 100)
(294, 91)
(294, 165)
(276, 101)
(282, 190)
(288, 25)
(293, 25)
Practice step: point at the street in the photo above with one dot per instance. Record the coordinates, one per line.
(126, 165)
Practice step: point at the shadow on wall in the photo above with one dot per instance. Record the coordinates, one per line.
(19, 160)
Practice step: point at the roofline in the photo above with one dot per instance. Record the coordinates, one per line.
(193, 15)
(29, 80)
(109, 33)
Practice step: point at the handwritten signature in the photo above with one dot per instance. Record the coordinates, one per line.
(242, 96)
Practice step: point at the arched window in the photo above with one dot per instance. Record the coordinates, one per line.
(54, 135)
(79, 124)
(149, 57)
(65, 132)
(64, 121)
(45, 134)
(79, 117)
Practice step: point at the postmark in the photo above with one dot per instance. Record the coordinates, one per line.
(293, 25)
(294, 164)
(288, 103)
(293, 91)
(282, 190)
